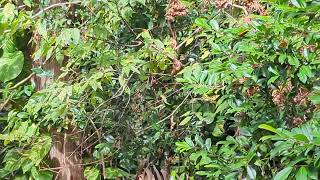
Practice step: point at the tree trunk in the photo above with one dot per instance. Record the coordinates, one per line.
(63, 152)
(64, 157)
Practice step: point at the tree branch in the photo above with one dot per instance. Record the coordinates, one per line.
(23, 81)
(14, 87)
(54, 6)
(164, 119)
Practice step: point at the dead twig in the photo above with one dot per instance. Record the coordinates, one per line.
(239, 7)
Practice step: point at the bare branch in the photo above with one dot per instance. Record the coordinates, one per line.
(54, 6)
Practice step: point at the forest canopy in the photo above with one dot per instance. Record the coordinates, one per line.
(159, 89)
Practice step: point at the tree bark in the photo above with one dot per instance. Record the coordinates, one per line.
(63, 152)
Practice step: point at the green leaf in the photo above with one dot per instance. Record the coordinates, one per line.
(189, 41)
(42, 73)
(26, 167)
(9, 11)
(272, 129)
(41, 28)
(214, 24)
(283, 174)
(69, 36)
(302, 173)
(59, 57)
(11, 63)
(315, 98)
(305, 73)
(28, 3)
(4, 173)
(293, 61)
(113, 173)
(199, 140)
(251, 172)
(282, 58)
(274, 71)
(272, 79)
(208, 143)
(299, 3)
(183, 146)
(301, 137)
(269, 128)
(92, 173)
(41, 175)
(201, 22)
(189, 141)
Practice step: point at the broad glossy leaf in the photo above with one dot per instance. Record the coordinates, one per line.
(269, 128)
(251, 172)
(189, 41)
(302, 174)
(41, 28)
(283, 174)
(305, 73)
(189, 141)
(11, 63)
(183, 146)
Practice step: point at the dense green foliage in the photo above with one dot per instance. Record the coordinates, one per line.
(199, 89)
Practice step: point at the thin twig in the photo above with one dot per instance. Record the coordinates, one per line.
(22, 82)
(164, 119)
(14, 87)
(182, 43)
(99, 138)
(240, 7)
(82, 143)
(54, 6)
(4, 104)
(139, 39)
(94, 126)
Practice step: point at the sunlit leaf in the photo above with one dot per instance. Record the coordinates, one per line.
(299, 3)
(283, 174)
(302, 173)
(9, 11)
(11, 63)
